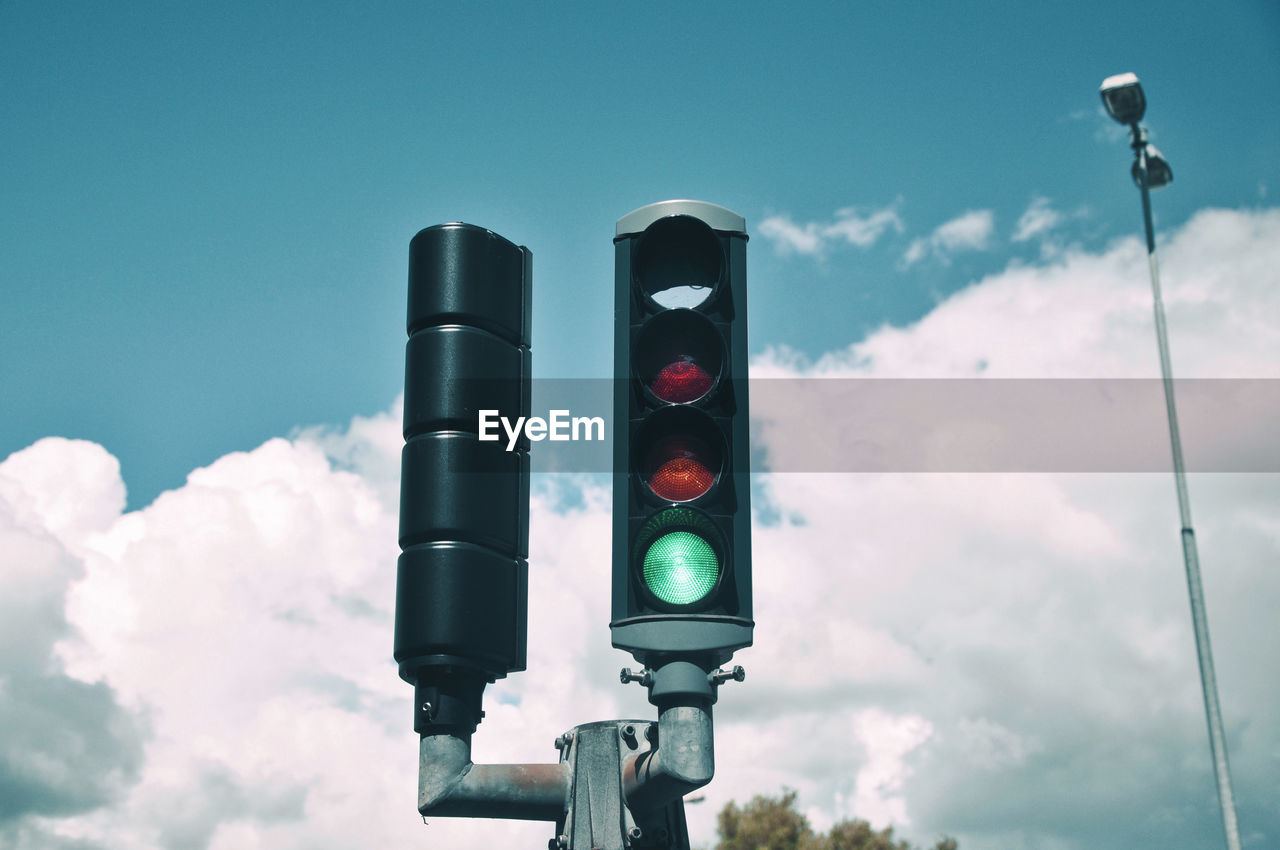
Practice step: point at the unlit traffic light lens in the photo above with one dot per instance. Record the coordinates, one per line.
(678, 262)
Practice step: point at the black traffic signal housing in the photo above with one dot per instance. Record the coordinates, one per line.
(462, 577)
(681, 485)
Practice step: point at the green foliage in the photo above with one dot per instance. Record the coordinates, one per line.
(858, 835)
(772, 823)
(765, 823)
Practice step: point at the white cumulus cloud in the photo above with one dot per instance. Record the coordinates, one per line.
(1005, 657)
(788, 236)
(968, 232)
(850, 226)
(887, 741)
(1037, 220)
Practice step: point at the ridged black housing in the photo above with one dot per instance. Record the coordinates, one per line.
(462, 577)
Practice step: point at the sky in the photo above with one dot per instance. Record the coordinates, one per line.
(204, 229)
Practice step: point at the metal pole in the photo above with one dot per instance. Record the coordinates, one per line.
(1208, 681)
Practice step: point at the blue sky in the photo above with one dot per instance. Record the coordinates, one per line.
(204, 229)
(208, 210)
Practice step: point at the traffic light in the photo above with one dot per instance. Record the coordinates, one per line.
(462, 578)
(682, 515)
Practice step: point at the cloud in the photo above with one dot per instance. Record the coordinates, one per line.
(1037, 220)
(1105, 128)
(368, 446)
(1004, 657)
(863, 231)
(968, 232)
(1088, 315)
(225, 614)
(886, 741)
(69, 746)
(1074, 344)
(1036, 622)
(789, 237)
(246, 618)
(851, 226)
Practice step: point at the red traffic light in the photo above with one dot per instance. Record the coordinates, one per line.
(681, 381)
(679, 356)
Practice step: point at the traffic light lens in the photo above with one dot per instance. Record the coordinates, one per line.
(679, 356)
(678, 262)
(679, 557)
(680, 468)
(682, 381)
(689, 295)
(681, 568)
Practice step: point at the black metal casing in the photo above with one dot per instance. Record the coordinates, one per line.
(681, 238)
(462, 578)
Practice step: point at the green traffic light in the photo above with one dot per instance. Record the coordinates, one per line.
(681, 568)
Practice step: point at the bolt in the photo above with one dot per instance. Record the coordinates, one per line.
(635, 833)
(629, 735)
(720, 676)
(428, 709)
(644, 677)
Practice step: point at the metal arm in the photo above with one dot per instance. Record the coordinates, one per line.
(450, 785)
(683, 761)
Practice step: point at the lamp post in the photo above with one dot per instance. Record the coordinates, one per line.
(1125, 102)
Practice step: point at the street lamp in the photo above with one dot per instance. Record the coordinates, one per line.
(1125, 102)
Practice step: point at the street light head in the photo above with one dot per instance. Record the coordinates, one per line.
(1123, 97)
(1158, 171)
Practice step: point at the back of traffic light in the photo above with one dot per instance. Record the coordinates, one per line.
(462, 578)
(682, 517)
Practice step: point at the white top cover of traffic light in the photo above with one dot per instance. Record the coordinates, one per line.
(715, 216)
